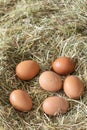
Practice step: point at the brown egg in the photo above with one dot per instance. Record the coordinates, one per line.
(55, 105)
(73, 87)
(20, 100)
(27, 69)
(50, 81)
(63, 65)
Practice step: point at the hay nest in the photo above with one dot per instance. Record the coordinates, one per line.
(41, 30)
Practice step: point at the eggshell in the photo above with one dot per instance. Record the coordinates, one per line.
(50, 81)
(63, 65)
(27, 69)
(55, 105)
(73, 87)
(20, 100)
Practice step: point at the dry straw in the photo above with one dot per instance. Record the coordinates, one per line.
(41, 30)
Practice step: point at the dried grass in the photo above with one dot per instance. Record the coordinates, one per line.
(41, 30)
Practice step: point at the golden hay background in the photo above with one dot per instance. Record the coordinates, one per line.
(41, 30)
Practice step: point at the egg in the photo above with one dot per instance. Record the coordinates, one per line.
(20, 100)
(55, 105)
(50, 81)
(63, 65)
(27, 69)
(73, 87)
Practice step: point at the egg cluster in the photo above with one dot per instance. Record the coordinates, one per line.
(49, 81)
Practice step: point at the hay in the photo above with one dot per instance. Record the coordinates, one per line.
(41, 30)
